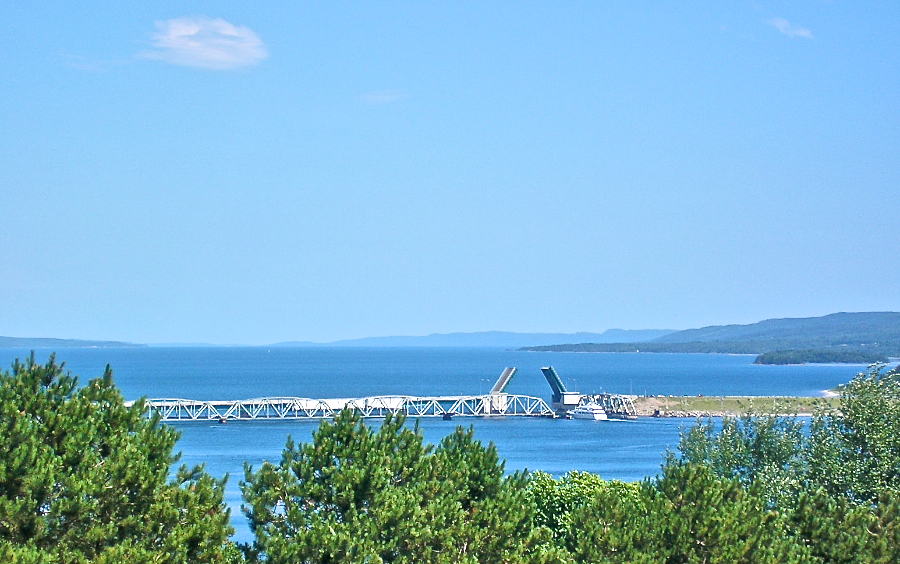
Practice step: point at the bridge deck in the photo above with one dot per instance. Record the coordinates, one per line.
(503, 381)
(176, 409)
(495, 403)
(556, 383)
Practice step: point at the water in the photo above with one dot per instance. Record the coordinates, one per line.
(616, 450)
(241, 373)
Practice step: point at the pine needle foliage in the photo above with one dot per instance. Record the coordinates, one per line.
(85, 478)
(358, 494)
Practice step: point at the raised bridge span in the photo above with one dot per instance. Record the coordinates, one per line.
(495, 403)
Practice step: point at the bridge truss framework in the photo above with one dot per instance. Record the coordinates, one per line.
(377, 406)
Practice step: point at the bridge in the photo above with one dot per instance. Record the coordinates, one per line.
(377, 406)
(495, 403)
(617, 406)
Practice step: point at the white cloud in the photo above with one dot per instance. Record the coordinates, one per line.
(786, 28)
(379, 97)
(206, 43)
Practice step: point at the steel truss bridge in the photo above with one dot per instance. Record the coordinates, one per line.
(616, 406)
(495, 404)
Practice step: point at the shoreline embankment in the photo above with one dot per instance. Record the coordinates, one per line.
(732, 406)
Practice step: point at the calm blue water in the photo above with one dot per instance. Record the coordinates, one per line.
(240, 373)
(620, 450)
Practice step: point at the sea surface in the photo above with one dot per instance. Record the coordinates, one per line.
(630, 450)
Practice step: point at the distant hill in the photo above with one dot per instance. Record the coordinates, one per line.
(46, 343)
(837, 329)
(498, 339)
(873, 332)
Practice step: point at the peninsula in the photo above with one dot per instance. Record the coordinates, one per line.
(836, 338)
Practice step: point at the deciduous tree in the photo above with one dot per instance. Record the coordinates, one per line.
(686, 515)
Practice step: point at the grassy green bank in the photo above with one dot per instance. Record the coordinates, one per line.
(718, 406)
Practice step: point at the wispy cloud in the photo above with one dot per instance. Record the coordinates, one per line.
(379, 97)
(786, 28)
(206, 43)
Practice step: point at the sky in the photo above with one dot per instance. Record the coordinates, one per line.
(234, 172)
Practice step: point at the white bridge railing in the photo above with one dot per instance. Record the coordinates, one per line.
(376, 406)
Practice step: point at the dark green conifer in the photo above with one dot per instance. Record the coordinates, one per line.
(355, 494)
(84, 478)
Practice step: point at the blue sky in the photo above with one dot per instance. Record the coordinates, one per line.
(220, 172)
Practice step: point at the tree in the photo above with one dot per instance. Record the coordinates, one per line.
(355, 494)
(83, 477)
(856, 453)
(764, 450)
(853, 453)
(556, 500)
(833, 529)
(838, 485)
(685, 515)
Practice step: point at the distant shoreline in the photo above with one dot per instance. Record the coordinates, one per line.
(51, 343)
(775, 358)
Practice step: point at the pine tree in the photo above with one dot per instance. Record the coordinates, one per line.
(355, 494)
(83, 477)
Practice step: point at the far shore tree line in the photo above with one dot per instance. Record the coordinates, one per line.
(83, 478)
(825, 355)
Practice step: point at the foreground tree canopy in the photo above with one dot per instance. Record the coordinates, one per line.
(85, 478)
(837, 486)
(356, 494)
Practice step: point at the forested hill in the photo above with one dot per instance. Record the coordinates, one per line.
(873, 332)
(47, 343)
(836, 329)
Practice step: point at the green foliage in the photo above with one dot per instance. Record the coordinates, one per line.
(758, 489)
(837, 531)
(555, 500)
(832, 528)
(883, 530)
(763, 450)
(806, 356)
(358, 495)
(837, 486)
(85, 478)
(687, 515)
(856, 453)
